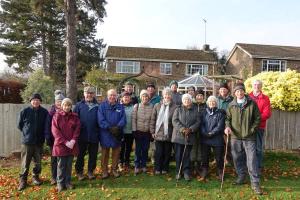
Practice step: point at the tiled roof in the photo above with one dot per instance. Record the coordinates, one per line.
(271, 51)
(158, 54)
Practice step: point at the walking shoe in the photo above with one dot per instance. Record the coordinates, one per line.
(52, 181)
(70, 186)
(36, 180)
(80, 176)
(91, 176)
(116, 173)
(22, 184)
(104, 175)
(157, 172)
(60, 188)
(204, 173)
(136, 171)
(163, 172)
(144, 169)
(240, 180)
(257, 190)
(186, 177)
(178, 176)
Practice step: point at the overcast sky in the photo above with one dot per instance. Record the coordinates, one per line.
(179, 24)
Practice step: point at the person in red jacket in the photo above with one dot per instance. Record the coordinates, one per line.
(66, 130)
(264, 106)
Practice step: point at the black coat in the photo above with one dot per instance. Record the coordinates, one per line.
(32, 125)
(212, 121)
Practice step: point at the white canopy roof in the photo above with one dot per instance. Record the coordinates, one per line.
(198, 81)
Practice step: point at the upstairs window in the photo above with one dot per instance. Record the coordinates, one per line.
(166, 68)
(128, 67)
(191, 69)
(274, 65)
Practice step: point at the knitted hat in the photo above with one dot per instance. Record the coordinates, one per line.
(144, 93)
(200, 91)
(188, 96)
(89, 89)
(58, 95)
(150, 85)
(239, 86)
(66, 101)
(173, 82)
(36, 96)
(224, 85)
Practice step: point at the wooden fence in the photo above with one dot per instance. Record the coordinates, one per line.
(282, 133)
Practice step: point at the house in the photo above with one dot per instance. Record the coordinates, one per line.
(163, 65)
(251, 59)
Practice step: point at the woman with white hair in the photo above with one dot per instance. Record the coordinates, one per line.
(186, 123)
(212, 130)
(161, 129)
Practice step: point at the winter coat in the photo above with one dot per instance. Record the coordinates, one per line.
(110, 116)
(264, 106)
(128, 111)
(223, 103)
(200, 107)
(154, 100)
(212, 121)
(65, 127)
(31, 123)
(244, 120)
(89, 131)
(176, 98)
(160, 136)
(141, 116)
(48, 133)
(185, 118)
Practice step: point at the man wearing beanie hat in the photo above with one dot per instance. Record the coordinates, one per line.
(31, 123)
(88, 140)
(242, 121)
(154, 98)
(58, 96)
(176, 97)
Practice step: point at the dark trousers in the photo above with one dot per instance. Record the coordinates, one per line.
(186, 161)
(126, 149)
(92, 149)
(162, 155)
(64, 170)
(53, 165)
(142, 143)
(29, 152)
(219, 155)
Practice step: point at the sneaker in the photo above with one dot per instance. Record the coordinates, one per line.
(104, 175)
(187, 177)
(116, 173)
(136, 171)
(164, 172)
(157, 172)
(70, 186)
(60, 188)
(36, 180)
(91, 176)
(53, 181)
(22, 184)
(240, 180)
(257, 190)
(144, 169)
(80, 177)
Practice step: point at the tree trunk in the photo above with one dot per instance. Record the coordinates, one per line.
(71, 87)
(44, 54)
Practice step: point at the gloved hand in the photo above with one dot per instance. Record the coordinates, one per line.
(116, 132)
(187, 132)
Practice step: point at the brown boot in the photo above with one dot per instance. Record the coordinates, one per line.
(22, 184)
(204, 172)
(36, 180)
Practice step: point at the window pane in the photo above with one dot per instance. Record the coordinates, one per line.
(127, 67)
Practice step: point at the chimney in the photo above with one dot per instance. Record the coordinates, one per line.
(206, 47)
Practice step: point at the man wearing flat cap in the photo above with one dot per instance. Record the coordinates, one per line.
(31, 123)
(88, 140)
(242, 122)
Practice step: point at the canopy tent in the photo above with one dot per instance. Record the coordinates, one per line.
(198, 81)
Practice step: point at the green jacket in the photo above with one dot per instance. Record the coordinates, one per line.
(223, 103)
(243, 120)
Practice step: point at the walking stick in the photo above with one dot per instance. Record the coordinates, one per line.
(226, 149)
(185, 144)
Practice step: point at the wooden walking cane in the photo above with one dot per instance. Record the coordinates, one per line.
(226, 149)
(180, 167)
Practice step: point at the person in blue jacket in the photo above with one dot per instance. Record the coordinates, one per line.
(88, 141)
(211, 136)
(111, 119)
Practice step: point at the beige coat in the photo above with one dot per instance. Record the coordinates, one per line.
(141, 116)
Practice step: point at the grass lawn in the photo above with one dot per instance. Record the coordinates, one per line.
(281, 181)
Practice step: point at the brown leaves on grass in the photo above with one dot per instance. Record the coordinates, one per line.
(10, 184)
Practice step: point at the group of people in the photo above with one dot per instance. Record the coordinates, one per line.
(187, 124)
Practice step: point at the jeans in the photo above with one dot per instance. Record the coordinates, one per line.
(126, 149)
(92, 149)
(142, 144)
(64, 170)
(260, 145)
(186, 161)
(162, 155)
(244, 156)
(219, 155)
(29, 152)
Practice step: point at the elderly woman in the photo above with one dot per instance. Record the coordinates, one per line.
(65, 129)
(186, 123)
(161, 129)
(212, 130)
(141, 116)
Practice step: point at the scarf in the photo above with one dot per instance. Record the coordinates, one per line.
(163, 118)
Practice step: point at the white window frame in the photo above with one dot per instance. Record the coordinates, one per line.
(127, 67)
(268, 62)
(164, 70)
(203, 69)
(98, 92)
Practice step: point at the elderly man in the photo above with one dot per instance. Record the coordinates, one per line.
(176, 97)
(31, 123)
(224, 97)
(264, 106)
(111, 119)
(88, 141)
(243, 119)
(154, 98)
